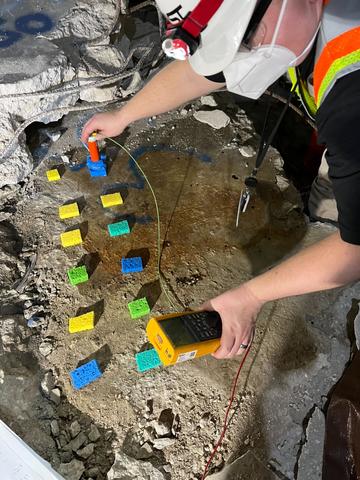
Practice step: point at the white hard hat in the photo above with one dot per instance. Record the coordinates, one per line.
(221, 38)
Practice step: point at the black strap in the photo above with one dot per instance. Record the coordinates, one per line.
(251, 180)
(266, 144)
(256, 18)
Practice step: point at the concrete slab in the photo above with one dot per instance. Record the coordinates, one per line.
(197, 173)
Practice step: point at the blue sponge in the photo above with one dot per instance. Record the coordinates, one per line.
(87, 373)
(131, 265)
(97, 169)
(147, 360)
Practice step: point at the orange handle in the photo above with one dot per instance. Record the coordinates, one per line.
(93, 150)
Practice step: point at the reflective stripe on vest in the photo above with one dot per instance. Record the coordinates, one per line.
(339, 57)
(302, 91)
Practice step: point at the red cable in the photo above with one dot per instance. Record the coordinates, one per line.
(225, 425)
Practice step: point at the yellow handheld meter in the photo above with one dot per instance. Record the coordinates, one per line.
(183, 336)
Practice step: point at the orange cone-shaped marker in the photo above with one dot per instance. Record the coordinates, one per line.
(93, 148)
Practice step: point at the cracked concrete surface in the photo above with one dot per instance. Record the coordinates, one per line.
(159, 425)
(300, 348)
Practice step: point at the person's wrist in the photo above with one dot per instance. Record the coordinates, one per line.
(248, 291)
(123, 119)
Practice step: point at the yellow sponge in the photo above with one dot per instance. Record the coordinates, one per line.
(111, 199)
(68, 211)
(82, 322)
(71, 238)
(53, 175)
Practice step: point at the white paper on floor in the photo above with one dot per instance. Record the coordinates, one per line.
(19, 462)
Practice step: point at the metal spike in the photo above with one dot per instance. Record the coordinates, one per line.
(243, 203)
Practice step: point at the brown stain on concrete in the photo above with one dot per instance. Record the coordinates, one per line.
(197, 203)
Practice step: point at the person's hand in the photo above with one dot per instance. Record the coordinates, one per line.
(109, 124)
(238, 309)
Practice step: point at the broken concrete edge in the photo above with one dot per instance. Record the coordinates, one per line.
(61, 85)
(310, 454)
(12, 131)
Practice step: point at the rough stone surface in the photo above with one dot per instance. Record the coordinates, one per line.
(47, 384)
(100, 61)
(161, 443)
(244, 468)
(75, 429)
(163, 425)
(55, 395)
(247, 151)
(78, 442)
(325, 345)
(208, 100)
(72, 470)
(86, 451)
(145, 451)
(94, 433)
(11, 334)
(55, 430)
(46, 347)
(215, 118)
(48, 69)
(310, 464)
(126, 467)
(357, 330)
(20, 164)
(82, 20)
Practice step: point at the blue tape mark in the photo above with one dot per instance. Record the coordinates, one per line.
(139, 152)
(139, 184)
(8, 37)
(34, 23)
(31, 24)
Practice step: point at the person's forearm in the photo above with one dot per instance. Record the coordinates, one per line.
(327, 264)
(173, 86)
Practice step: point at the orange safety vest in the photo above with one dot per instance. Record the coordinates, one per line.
(338, 53)
(341, 54)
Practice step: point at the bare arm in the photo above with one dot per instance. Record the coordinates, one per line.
(327, 264)
(173, 86)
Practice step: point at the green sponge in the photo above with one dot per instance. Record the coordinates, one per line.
(78, 275)
(138, 308)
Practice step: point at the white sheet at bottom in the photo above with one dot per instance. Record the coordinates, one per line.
(19, 462)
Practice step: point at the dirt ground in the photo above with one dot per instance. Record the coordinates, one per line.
(197, 174)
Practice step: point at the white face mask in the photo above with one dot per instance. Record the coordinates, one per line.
(253, 71)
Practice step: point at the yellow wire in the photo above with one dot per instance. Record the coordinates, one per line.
(162, 285)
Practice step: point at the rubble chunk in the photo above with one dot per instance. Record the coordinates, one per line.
(161, 443)
(78, 442)
(208, 100)
(126, 467)
(94, 433)
(72, 470)
(215, 118)
(75, 429)
(86, 451)
(54, 426)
